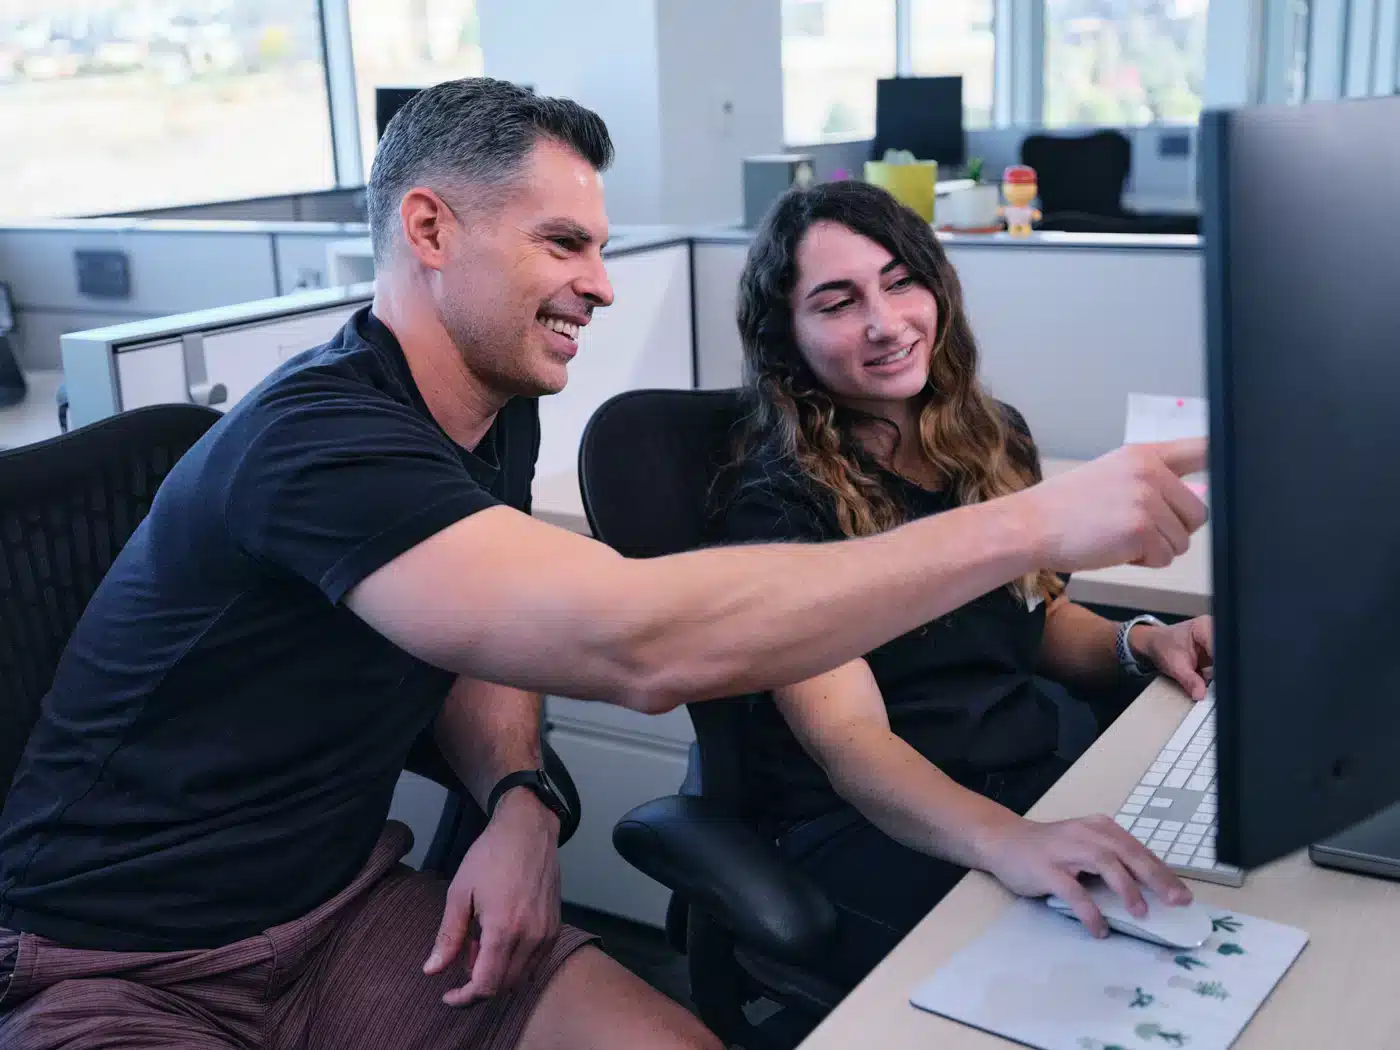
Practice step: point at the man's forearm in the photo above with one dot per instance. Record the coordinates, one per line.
(486, 731)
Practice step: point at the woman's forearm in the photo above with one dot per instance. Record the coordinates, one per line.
(1078, 647)
(910, 799)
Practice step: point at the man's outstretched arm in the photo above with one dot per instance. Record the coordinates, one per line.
(499, 595)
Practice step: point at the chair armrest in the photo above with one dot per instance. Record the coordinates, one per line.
(718, 862)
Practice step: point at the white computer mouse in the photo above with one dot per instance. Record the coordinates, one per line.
(1185, 926)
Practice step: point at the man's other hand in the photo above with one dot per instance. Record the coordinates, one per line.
(503, 904)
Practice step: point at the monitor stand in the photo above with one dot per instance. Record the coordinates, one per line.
(1371, 847)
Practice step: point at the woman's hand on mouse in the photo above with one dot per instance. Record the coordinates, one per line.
(1037, 859)
(1184, 652)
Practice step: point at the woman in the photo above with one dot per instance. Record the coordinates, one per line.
(888, 777)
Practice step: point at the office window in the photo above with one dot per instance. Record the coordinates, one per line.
(121, 105)
(409, 43)
(1123, 61)
(955, 38)
(833, 53)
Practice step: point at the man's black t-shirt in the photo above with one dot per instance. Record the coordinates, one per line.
(961, 690)
(219, 749)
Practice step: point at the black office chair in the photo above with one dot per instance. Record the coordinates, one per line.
(749, 921)
(67, 506)
(1082, 178)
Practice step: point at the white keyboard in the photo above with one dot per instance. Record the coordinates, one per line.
(1172, 811)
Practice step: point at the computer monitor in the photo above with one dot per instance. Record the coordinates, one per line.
(923, 115)
(387, 102)
(1302, 279)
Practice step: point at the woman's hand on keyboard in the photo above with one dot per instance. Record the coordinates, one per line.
(1037, 859)
(1184, 652)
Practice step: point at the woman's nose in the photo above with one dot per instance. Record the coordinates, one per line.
(881, 323)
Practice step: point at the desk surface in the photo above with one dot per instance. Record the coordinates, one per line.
(36, 417)
(1340, 992)
(1181, 589)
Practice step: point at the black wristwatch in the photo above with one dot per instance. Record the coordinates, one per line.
(538, 781)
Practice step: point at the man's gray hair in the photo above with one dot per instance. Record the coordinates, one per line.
(472, 133)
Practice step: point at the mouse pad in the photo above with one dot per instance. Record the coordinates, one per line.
(1043, 980)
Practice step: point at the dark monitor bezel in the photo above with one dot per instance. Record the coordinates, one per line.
(880, 142)
(1300, 746)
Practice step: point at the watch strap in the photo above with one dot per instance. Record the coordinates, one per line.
(537, 782)
(1124, 651)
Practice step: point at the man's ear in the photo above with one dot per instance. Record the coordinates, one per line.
(424, 218)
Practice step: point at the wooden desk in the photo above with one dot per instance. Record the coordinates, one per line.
(1181, 589)
(1340, 992)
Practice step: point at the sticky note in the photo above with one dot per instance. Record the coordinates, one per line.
(1154, 417)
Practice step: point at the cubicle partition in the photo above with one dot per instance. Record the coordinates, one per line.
(74, 275)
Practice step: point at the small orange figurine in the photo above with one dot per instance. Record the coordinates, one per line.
(1018, 186)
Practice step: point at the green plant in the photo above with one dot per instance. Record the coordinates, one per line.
(974, 169)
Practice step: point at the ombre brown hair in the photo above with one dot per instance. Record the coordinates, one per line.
(977, 447)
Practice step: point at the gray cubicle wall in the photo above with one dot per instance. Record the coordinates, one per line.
(211, 356)
(172, 267)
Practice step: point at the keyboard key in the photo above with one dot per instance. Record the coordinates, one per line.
(1188, 727)
(1152, 779)
(1147, 822)
(1201, 863)
(1172, 825)
(1199, 782)
(1189, 840)
(1159, 767)
(1142, 834)
(1124, 821)
(1131, 807)
(1178, 858)
(1176, 779)
(1161, 803)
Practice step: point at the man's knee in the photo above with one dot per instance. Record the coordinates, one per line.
(594, 1002)
(692, 1035)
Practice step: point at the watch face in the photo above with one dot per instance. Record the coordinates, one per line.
(547, 782)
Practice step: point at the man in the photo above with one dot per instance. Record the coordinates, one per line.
(193, 852)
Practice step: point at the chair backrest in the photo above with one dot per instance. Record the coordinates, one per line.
(1080, 173)
(67, 506)
(647, 463)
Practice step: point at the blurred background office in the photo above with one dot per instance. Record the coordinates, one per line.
(166, 156)
(115, 106)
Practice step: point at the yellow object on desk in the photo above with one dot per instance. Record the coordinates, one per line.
(912, 184)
